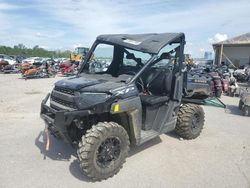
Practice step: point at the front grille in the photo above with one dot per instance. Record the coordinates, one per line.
(64, 90)
(63, 97)
(63, 102)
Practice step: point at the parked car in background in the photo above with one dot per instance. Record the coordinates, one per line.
(33, 60)
(7, 58)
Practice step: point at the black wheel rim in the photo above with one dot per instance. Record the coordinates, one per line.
(195, 126)
(108, 152)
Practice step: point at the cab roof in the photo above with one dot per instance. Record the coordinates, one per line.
(149, 43)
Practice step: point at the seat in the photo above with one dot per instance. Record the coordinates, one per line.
(158, 83)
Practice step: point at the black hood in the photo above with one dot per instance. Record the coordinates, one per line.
(88, 84)
(76, 83)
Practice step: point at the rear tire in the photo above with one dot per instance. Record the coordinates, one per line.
(103, 150)
(190, 121)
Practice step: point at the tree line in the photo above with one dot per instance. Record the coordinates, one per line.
(36, 51)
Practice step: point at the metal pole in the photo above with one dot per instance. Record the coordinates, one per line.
(221, 52)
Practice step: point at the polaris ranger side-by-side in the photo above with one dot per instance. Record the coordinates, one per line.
(138, 96)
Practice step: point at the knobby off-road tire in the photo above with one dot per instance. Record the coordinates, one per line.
(241, 104)
(190, 121)
(103, 150)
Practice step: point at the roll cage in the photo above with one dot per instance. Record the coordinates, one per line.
(142, 43)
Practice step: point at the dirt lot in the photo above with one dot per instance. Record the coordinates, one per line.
(220, 157)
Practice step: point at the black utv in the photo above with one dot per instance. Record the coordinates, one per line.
(134, 98)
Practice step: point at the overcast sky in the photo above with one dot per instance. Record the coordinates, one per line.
(65, 24)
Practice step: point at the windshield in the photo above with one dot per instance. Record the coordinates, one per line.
(116, 60)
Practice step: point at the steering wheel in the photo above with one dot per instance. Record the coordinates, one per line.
(139, 79)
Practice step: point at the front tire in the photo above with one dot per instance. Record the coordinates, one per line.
(190, 121)
(103, 150)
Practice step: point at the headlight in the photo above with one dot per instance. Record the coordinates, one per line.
(87, 99)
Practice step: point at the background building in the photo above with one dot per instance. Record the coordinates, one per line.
(234, 51)
(208, 55)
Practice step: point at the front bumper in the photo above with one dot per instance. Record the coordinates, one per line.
(59, 120)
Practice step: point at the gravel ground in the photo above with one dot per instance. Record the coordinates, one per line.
(220, 157)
